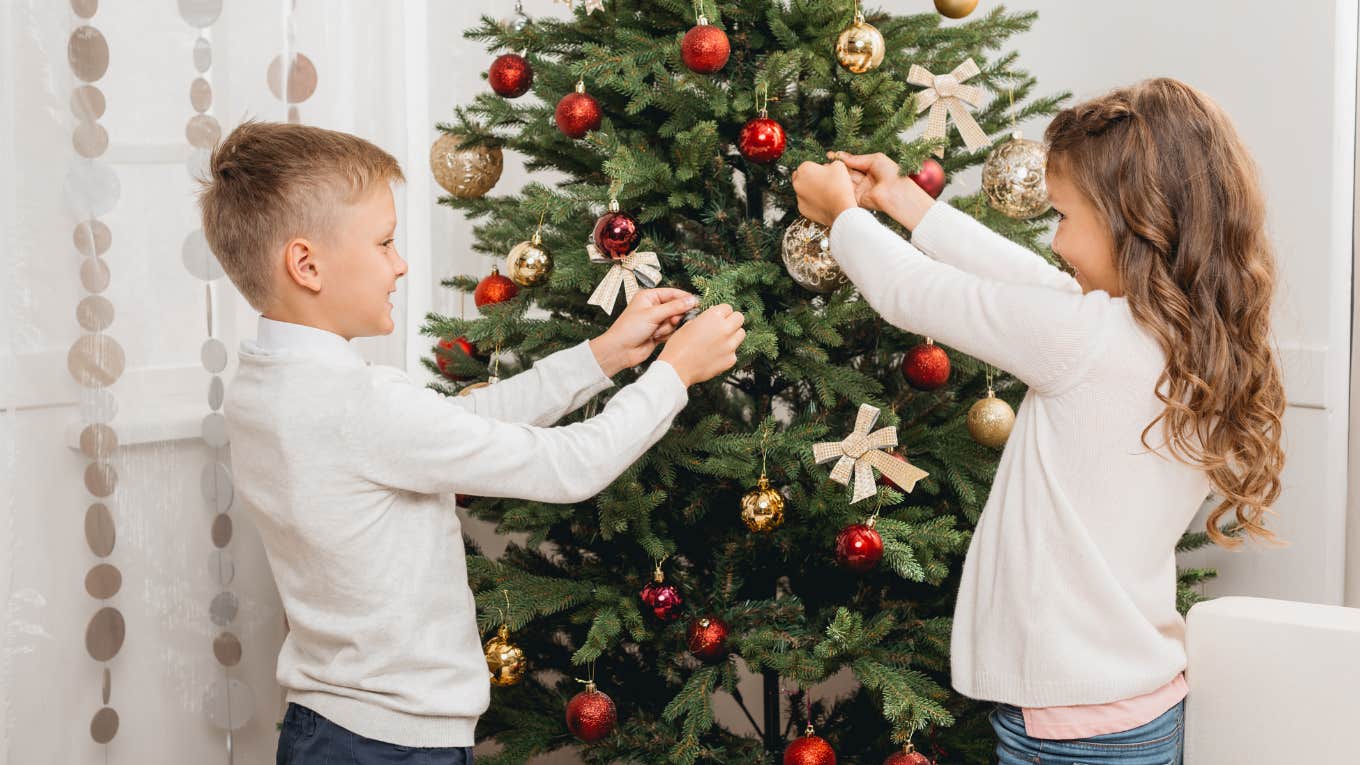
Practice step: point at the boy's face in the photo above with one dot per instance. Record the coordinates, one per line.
(361, 266)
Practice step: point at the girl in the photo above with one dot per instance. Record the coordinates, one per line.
(1152, 382)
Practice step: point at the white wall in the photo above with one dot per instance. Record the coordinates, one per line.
(1286, 74)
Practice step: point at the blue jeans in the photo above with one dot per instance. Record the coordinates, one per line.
(1160, 742)
(308, 738)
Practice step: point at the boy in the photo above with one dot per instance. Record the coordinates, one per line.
(349, 471)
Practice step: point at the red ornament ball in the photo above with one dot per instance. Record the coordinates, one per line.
(663, 599)
(930, 177)
(493, 289)
(591, 715)
(909, 757)
(617, 234)
(708, 638)
(809, 750)
(442, 360)
(858, 547)
(926, 366)
(762, 140)
(705, 48)
(577, 114)
(511, 75)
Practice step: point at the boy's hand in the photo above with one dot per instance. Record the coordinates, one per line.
(707, 345)
(824, 191)
(648, 320)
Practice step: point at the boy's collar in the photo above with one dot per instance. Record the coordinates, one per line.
(281, 336)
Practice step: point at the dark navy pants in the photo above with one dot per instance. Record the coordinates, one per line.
(308, 738)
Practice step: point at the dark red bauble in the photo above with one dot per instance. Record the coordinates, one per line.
(884, 480)
(664, 600)
(930, 177)
(705, 49)
(443, 362)
(908, 758)
(762, 140)
(577, 114)
(464, 500)
(616, 234)
(708, 638)
(493, 289)
(591, 715)
(926, 366)
(511, 75)
(809, 750)
(858, 547)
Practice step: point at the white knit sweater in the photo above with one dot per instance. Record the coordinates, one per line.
(1068, 593)
(349, 472)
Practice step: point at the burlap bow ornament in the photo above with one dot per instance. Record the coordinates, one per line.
(590, 5)
(862, 451)
(637, 269)
(947, 94)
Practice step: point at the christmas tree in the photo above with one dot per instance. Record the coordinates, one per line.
(655, 116)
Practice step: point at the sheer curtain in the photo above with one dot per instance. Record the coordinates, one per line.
(141, 622)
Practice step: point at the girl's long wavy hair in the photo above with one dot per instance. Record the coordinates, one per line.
(1167, 170)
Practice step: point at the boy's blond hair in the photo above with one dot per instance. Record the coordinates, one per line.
(269, 182)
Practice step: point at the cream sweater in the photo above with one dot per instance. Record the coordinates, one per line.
(349, 472)
(1068, 594)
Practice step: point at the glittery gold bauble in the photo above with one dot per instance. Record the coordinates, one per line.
(807, 256)
(955, 9)
(860, 46)
(1013, 177)
(990, 421)
(762, 509)
(505, 659)
(465, 173)
(529, 263)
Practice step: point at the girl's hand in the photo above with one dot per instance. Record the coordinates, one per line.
(873, 176)
(879, 186)
(824, 191)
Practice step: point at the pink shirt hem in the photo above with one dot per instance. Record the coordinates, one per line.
(1059, 723)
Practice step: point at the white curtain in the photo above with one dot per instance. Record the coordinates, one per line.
(87, 192)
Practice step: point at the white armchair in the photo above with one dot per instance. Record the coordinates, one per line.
(1273, 681)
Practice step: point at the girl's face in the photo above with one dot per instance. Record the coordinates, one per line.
(1083, 240)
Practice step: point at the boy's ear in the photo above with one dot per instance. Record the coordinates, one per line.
(301, 264)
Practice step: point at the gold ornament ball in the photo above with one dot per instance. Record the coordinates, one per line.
(505, 659)
(807, 256)
(762, 509)
(465, 173)
(529, 263)
(860, 46)
(955, 9)
(1013, 178)
(990, 421)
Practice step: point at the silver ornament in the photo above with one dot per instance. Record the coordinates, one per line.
(807, 256)
(1013, 178)
(519, 21)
